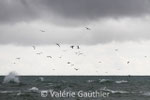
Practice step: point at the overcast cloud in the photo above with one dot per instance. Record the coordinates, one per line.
(64, 21)
(116, 27)
(85, 10)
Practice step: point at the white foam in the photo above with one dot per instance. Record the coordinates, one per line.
(104, 80)
(11, 77)
(122, 81)
(6, 92)
(41, 79)
(146, 94)
(34, 89)
(90, 81)
(19, 93)
(114, 91)
(122, 92)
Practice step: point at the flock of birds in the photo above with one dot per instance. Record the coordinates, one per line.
(58, 44)
(72, 47)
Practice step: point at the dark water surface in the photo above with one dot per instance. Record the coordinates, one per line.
(117, 87)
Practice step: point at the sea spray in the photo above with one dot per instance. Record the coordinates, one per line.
(12, 77)
(41, 79)
(34, 89)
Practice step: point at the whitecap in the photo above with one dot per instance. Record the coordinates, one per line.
(122, 81)
(19, 93)
(41, 79)
(121, 92)
(146, 94)
(90, 81)
(34, 89)
(114, 91)
(6, 92)
(104, 80)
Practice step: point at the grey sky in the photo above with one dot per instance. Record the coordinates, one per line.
(83, 10)
(64, 21)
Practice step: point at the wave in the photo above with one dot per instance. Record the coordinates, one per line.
(34, 89)
(105, 81)
(10, 91)
(12, 77)
(90, 81)
(119, 91)
(5, 92)
(114, 91)
(19, 93)
(122, 81)
(51, 84)
(146, 93)
(100, 81)
(41, 79)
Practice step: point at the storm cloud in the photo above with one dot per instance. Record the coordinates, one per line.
(70, 11)
(65, 21)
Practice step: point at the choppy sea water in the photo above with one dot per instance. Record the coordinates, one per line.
(118, 87)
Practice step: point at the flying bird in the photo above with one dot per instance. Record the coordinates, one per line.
(49, 56)
(39, 53)
(18, 58)
(34, 47)
(116, 49)
(42, 30)
(79, 53)
(128, 62)
(72, 46)
(87, 28)
(58, 44)
(68, 62)
(76, 69)
(99, 62)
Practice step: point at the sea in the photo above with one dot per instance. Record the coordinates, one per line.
(75, 88)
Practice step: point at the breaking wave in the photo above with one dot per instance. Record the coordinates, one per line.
(34, 89)
(114, 91)
(12, 77)
(105, 81)
(122, 81)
